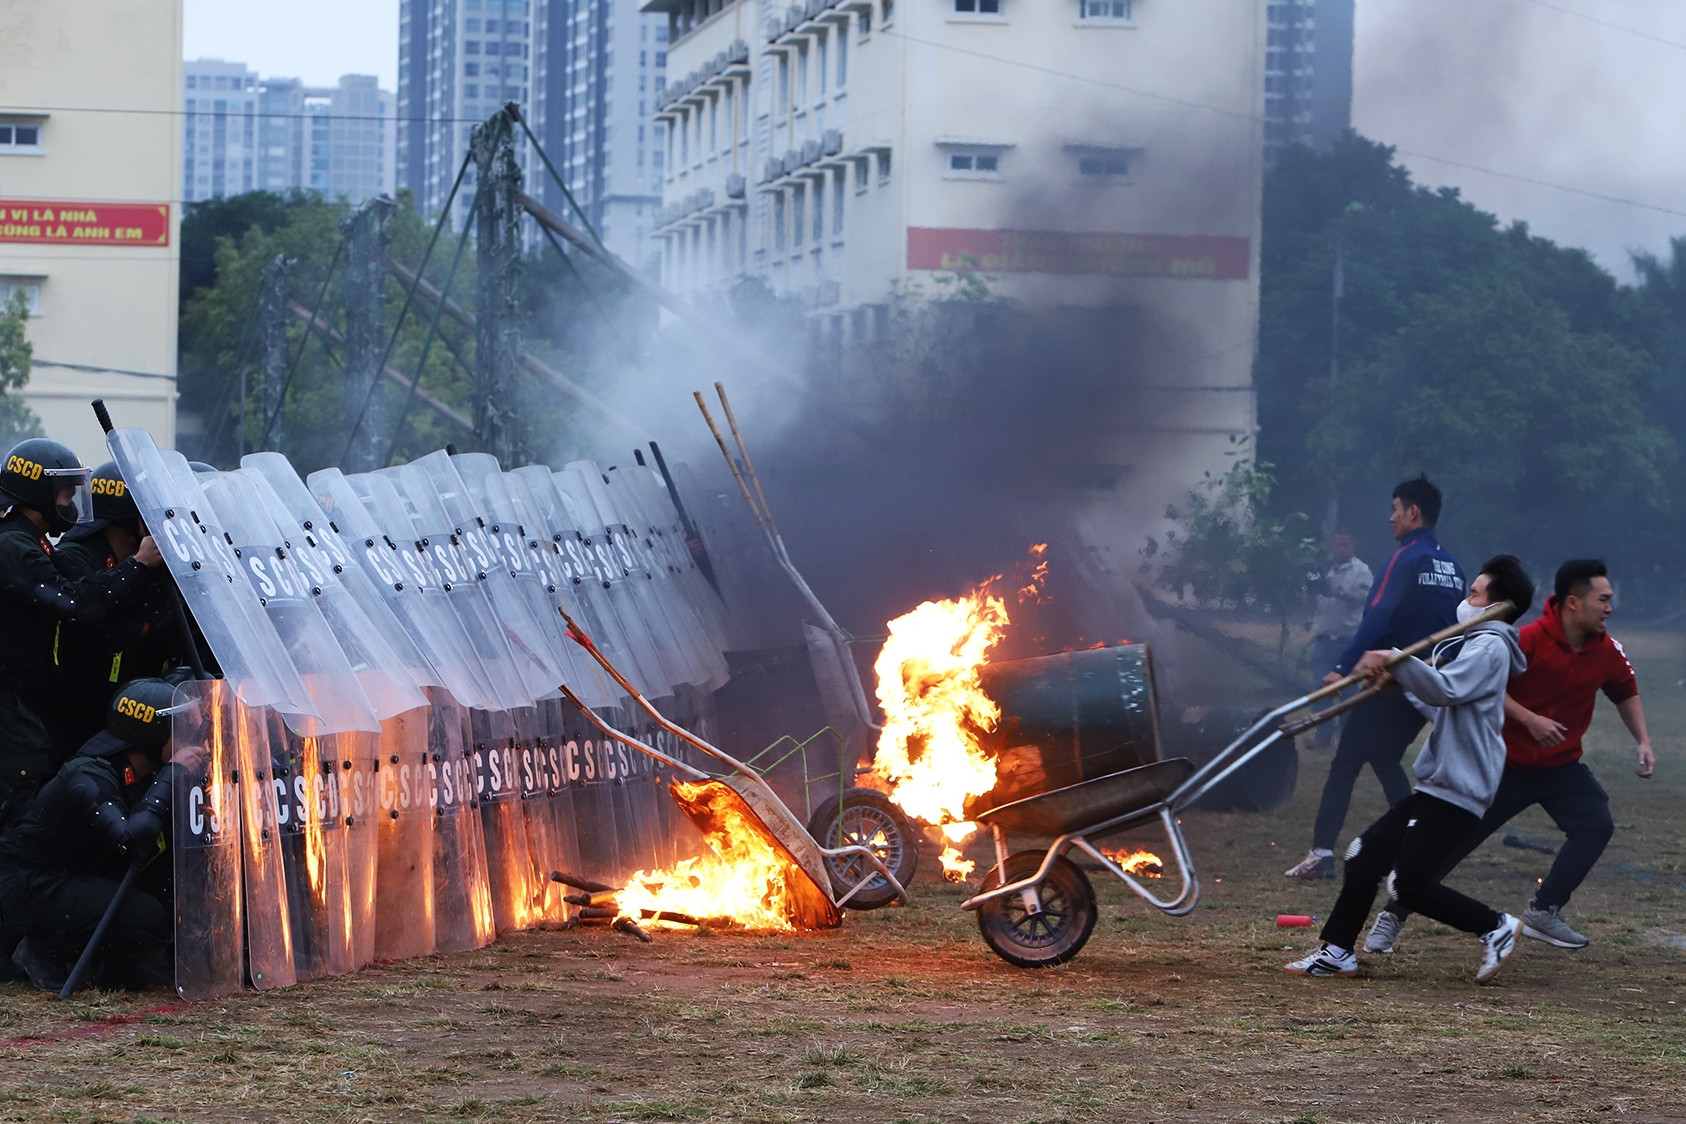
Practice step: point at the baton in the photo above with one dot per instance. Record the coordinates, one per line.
(94, 942)
(194, 659)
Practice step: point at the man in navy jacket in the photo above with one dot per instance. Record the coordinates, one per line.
(1416, 594)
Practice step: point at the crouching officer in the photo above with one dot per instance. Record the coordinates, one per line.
(46, 488)
(60, 865)
(139, 637)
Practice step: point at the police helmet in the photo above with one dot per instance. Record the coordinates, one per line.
(140, 714)
(45, 475)
(113, 503)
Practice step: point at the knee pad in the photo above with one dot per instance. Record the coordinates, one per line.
(1353, 848)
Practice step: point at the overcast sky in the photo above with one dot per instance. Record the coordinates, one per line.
(1538, 89)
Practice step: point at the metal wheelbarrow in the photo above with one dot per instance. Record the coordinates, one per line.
(1036, 908)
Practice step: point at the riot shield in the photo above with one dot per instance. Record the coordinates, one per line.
(557, 799)
(439, 565)
(582, 591)
(646, 505)
(545, 851)
(462, 902)
(205, 840)
(200, 559)
(404, 582)
(269, 926)
(311, 829)
(287, 595)
(404, 898)
(353, 755)
(503, 823)
(435, 490)
(596, 831)
(304, 524)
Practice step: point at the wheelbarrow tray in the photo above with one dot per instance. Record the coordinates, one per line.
(1089, 803)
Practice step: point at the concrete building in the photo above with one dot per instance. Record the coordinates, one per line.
(220, 129)
(458, 61)
(1308, 72)
(598, 66)
(242, 134)
(1095, 161)
(91, 174)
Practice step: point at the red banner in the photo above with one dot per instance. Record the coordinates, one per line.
(1203, 256)
(85, 224)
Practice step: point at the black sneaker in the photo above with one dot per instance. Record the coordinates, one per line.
(44, 972)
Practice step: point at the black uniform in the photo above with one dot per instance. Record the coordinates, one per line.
(43, 613)
(60, 865)
(137, 638)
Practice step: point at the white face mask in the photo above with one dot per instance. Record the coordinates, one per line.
(1468, 612)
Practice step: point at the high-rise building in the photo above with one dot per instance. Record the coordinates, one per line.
(278, 134)
(1308, 72)
(598, 66)
(91, 223)
(458, 61)
(221, 129)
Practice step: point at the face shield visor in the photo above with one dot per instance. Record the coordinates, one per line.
(73, 502)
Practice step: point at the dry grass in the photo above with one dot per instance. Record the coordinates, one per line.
(904, 1015)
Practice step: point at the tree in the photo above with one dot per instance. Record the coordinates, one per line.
(17, 420)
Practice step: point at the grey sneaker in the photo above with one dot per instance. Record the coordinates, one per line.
(1317, 866)
(1384, 934)
(1497, 946)
(1548, 925)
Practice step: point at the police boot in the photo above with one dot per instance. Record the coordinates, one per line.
(45, 972)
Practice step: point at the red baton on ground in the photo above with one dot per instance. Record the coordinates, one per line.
(1295, 920)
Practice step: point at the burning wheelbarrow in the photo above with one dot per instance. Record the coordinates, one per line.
(741, 815)
(1037, 908)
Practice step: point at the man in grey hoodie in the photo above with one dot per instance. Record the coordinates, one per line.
(1457, 775)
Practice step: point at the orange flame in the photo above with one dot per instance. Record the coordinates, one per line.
(1036, 585)
(742, 878)
(1145, 863)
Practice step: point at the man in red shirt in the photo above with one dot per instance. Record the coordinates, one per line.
(1547, 711)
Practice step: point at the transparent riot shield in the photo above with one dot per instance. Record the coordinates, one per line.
(311, 829)
(501, 520)
(557, 799)
(462, 900)
(288, 596)
(350, 601)
(545, 851)
(596, 831)
(205, 841)
(366, 524)
(404, 898)
(355, 757)
(436, 490)
(581, 579)
(503, 823)
(200, 559)
(438, 563)
(268, 905)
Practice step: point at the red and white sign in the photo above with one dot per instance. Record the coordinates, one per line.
(1197, 256)
(84, 224)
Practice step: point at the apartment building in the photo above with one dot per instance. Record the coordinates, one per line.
(220, 129)
(1308, 72)
(91, 171)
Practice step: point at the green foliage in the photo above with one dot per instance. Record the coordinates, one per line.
(17, 420)
(1227, 550)
(1517, 374)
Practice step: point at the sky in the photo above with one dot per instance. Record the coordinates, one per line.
(1544, 90)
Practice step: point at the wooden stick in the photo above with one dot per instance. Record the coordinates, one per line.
(1492, 612)
(748, 465)
(730, 462)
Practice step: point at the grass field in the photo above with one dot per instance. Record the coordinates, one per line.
(904, 1015)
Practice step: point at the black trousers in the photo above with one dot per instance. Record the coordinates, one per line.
(1576, 803)
(58, 913)
(1411, 840)
(1376, 734)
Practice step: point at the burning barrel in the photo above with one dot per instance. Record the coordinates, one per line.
(1075, 716)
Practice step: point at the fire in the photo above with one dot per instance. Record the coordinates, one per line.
(744, 877)
(1145, 863)
(1035, 587)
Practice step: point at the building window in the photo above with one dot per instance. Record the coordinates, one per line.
(19, 138)
(974, 163)
(1110, 11)
(978, 7)
(778, 222)
(1098, 162)
(471, 25)
(842, 57)
(860, 175)
(661, 56)
(470, 90)
(472, 47)
(471, 69)
(798, 204)
(10, 287)
(819, 211)
(884, 166)
(889, 10)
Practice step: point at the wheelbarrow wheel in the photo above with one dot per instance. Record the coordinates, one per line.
(866, 817)
(1054, 934)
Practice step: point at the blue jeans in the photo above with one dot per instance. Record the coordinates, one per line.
(1325, 651)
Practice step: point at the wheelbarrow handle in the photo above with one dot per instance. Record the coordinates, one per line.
(1492, 612)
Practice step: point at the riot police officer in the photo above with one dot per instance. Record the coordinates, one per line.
(46, 489)
(138, 638)
(60, 865)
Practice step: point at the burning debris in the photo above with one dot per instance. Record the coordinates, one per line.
(1144, 864)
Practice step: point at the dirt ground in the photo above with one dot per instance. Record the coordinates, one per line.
(905, 1015)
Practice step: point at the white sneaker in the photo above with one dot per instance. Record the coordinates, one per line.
(1497, 946)
(1317, 866)
(1384, 934)
(1323, 963)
